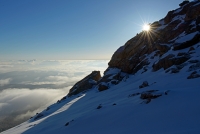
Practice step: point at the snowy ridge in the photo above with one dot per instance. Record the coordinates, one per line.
(155, 90)
(123, 112)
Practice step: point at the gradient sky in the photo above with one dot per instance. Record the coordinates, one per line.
(73, 29)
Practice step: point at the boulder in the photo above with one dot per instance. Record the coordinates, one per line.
(102, 87)
(86, 83)
(163, 63)
(193, 75)
(194, 67)
(148, 95)
(144, 84)
(99, 107)
(169, 61)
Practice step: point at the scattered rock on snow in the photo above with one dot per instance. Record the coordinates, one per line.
(135, 94)
(38, 116)
(68, 123)
(148, 95)
(166, 92)
(99, 107)
(194, 66)
(191, 49)
(193, 75)
(144, 84)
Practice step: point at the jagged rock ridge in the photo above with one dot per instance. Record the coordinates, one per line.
(152, 82)
(166, 34)
(170, 44)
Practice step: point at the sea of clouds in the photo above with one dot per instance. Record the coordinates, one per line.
(29, 86)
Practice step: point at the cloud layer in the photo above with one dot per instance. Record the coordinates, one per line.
(5, 81)
(27, 87)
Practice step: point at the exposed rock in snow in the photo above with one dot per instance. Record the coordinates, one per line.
(180, 29)
(170, 60)
(102, 86)
(144, 84)
(86, 83)
(193, 75)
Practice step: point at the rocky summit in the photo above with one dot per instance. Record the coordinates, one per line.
(170, 45)
(151, 85)
(163, 44)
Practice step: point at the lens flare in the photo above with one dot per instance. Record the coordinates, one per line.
(146, 27)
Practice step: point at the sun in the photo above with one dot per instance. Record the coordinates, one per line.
(146, 27)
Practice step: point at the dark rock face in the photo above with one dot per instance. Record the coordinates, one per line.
(169, 45)
(86, 83)
(193, 12)
(102, 87)
(164, 36)
(113, 78)
(169, 61)
(183, 3)
(189, 43)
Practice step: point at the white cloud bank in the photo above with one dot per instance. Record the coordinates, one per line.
(25, 102)
(27, 87)
(5, 81)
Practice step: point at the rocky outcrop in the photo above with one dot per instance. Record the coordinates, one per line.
(183, 3)
(144, 84)
(153, 50)
(148, 95)
(102, 87)
(188, 43)
(86, 83)
(193, 11)
(170, 60)
(177, 31)
(193, 75)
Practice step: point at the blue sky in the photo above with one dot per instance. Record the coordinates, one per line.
(73, 29)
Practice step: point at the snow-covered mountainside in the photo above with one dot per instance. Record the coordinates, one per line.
(152, 85)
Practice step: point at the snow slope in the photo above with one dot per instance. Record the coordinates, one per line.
(168, 105)
(122, 112)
